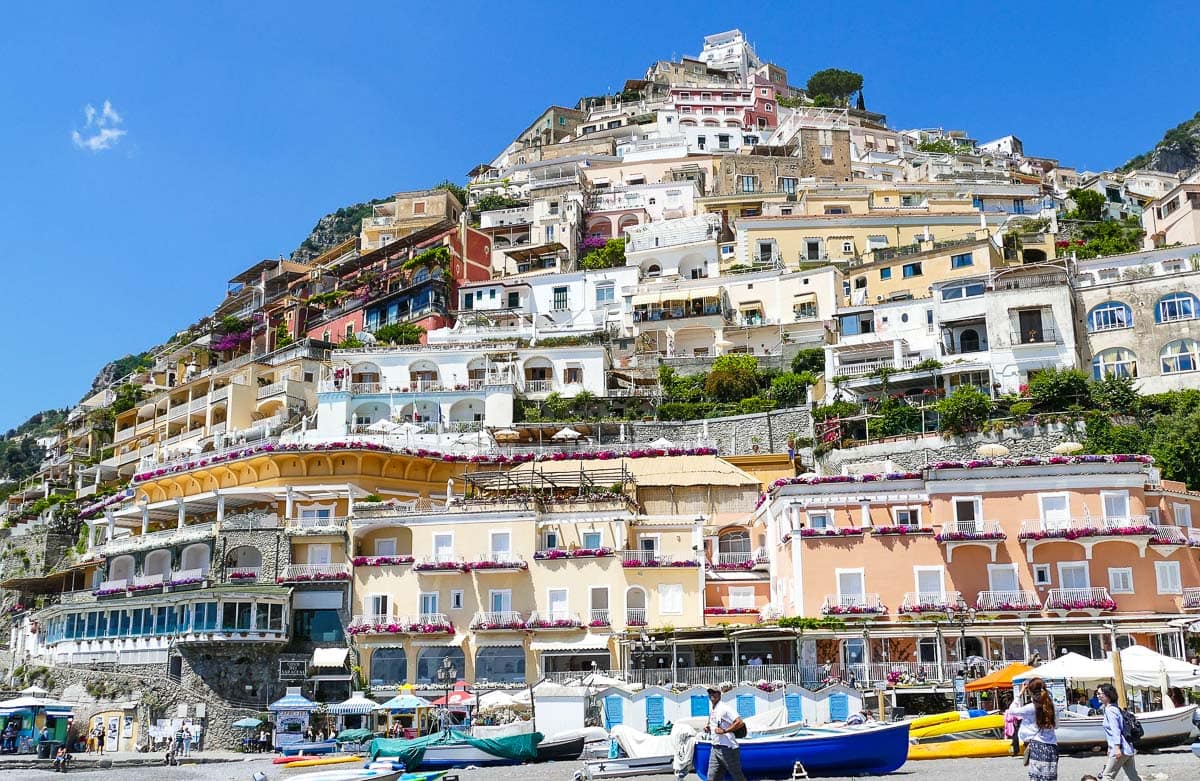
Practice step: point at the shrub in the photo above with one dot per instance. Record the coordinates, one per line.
(1056, 390)
(399, 333)
(733, 378)
(1115, 394)
(837, 409)
(964, 410)
(791, 389)
(683, 410)
(755, 404)
(1020, 409)
(811, 360)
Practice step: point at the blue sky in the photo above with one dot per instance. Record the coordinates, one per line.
(232, 127)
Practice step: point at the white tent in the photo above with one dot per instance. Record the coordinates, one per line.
(567, 433)
(495, 699)
(1143, 669)
(1071, 666)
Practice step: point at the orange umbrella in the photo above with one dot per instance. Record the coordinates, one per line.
(998, 679)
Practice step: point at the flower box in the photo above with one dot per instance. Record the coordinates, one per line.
(380, 561)
(318, 576)
(391, 628)
(599, 623)
(145, 587)
(727, 566)
(1012, 607)
(441, 566)
(971, 536)
(853, 610)
(636, 622)
(1088, 531)
(431, 628)
(900, 531)
(845, 531)
(928, 607)
(556, 623)
(730, 611)
(497, 565)
(1081, 604)
(184, 582)
(494, 626)
(108, 592)
(243, 575)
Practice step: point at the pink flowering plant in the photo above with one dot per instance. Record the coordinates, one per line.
(312, 576)
(553, 623)
(1096, 603)
(243, 575)
(380, 561)
(730, 611)
(492, 626)
(962, 536)
(854, 610)
(901, 530)
(845, 531)
(489, 564)
(1089, 531)
(441, 566)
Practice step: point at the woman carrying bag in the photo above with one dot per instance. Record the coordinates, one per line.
(1120, 750)
(1037, 731)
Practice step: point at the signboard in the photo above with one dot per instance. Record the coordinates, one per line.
(293, 669)
(960, 692)
(1058, 693)
(881, 686)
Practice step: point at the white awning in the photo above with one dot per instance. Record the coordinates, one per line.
(485, 639)
(330, 657)
(587, 643)
(647, 298)
(455, 642)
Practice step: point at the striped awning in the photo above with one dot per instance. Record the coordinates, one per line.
(293, 701)
(356, 705)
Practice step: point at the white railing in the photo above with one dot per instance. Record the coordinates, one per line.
(648, 558)
(338, 523)
(147, 581)
(553, 619)
(120, 584)
(851, 604)
(733, 557)
(177, 411)
(1095, 598)
(930, 601)
(599, 617)
(316, 572)
(160, 539)
(270, 390)
(1085, 524)
(199, 404)
(867, 367)
(220, 394)
(973, 526)
(499, 558)
(1169, 535)
(635, 616)
(379, 618)
(498, 619)
(1008, 601)
(1191, 598)
(195, 574)
(254, 572)
(538, 386)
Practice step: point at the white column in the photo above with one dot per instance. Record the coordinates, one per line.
(772, 544)
(179, 504)
(112, 522)
(220, 507)
(91, 537)
(145, 518)
(864, 510)
(350, 500)
(289, 504)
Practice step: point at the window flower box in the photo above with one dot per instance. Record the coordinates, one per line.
(441, 566)
(108, 592)
(380, 561)
(845, 531)
(971, 536)
(145, 587)
(854, 610)
(390, 628)
(243, 575)
(730, 611)
(488, 564)
(1081, 604)
(734, 566)
(185, 582)
(599, 623)
(318, 576)
(496, 626)
(554, 623)
(901, 531)
(431, 628)
(928, 607)
(1089, 531)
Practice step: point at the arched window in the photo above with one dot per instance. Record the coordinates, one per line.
(1114, 362)
(734, 541)
(1109, 316)
(653, 271)
(1174, 307)
(1180, 355)
(968, 341)
(429, 659)
(500, 663)
(389, 666)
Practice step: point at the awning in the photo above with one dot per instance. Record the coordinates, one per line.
(801, 298)
(647, 298)
(454, 642)
(356, 705)
(483, 639)
(998, 679)
(330, 657)
(584, 644)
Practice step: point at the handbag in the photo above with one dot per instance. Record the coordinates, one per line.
(1026, 754)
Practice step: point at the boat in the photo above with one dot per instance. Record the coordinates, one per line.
(374, 771)
(626, 767)
(875, 749)
(324, 747)
(561, 749)
(1196, 749)
(451, 748)
(320, 762)
(293, 758)
(1163, 728)
(957, 749)
(989, 727)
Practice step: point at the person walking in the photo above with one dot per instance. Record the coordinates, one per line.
(187, 741)
(1120, 750)
(98, 734)
(1037, 731)
(723, 722)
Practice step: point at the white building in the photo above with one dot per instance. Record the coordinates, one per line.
(730, 51)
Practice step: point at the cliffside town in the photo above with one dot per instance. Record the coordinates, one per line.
(716, 378)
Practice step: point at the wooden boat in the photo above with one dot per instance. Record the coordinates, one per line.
(564, 749)
(1164, 728)
(625, 767)
(324, 761)
(324, 747)
(871, 750)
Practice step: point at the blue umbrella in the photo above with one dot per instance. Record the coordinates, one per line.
(248, 723)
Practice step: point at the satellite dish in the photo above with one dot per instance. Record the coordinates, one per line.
(365, 337)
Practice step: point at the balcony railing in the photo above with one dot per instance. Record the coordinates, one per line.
(554, 619)
(243, 574)
(497, 560)
(1089, 599)
(315, 572)
(1075, 528)
(739, 560)
(159, 539)
(1191, 599)
(927, 602)
(334, 524)
(600, 617)
(538, 386)
(645, 558)
(867, 367)
(852, 605)
(971, 530)
(1043, 335)
(635, 616)
(497, 620)
(1008, 602)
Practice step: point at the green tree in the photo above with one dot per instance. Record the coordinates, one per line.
(791, 389)
(557, 407)
(459, 192)
(1117, 395)
(127, 397)
(835, 83)
(895, 417)
(733, 378)
(1056, 390)
(964, 410)
(611, 255)
(811, 360)
(677, 387)
(492, 202)
(941, 146)
(1174, 446)
(1089, 205)
(1110, 237)
(582, 403)
(1103, 436)
(399, 333)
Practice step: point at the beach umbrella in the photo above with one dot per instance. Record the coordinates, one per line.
(403, 702)
(991, 451)
(247, 723)
(567, 433)
(383, 426)
(662, 443)
(34, 691)
(1067, 448)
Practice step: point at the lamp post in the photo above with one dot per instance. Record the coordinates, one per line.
(446, 675)
(644, 648)
(963, 619)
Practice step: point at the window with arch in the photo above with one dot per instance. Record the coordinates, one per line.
(1114, 362)
(968, 341)
(653, 271)
(1174, 307)
(1109, 316)
(1180, 355)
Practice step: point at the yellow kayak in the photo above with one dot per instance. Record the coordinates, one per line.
(952, 749)
(935, 718)
(324, 761)
(992, 721)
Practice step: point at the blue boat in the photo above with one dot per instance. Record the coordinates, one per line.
(292, 749)
(871, 750)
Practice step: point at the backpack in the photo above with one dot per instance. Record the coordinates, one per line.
(741, 732)
(1131, 728)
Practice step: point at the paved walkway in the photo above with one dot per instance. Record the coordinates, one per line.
(129, 759)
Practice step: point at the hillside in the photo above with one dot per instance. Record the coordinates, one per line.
(19, 456)
(333, 229)
(1177, 152)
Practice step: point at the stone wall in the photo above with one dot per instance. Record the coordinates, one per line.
(913, 453)
(274, 556)
(735, 435)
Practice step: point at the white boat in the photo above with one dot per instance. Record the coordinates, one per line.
(1164, 728)
(626, 767)
(355, 774)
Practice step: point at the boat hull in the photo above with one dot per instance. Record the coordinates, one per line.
(460, 755)
(955, 749)
(873, 750)
(627, 767)
(560, 750)
(323, 761)
(1165, 728)
(327, 747)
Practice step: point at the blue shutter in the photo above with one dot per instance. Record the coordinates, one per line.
(613, 710)
(699, 705)
(839, 707)
(654, 712)
(745, 705)
(794, 710)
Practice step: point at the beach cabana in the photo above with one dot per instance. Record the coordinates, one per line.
(407, 709)
(350, 712)
(291, 716)
(29, 713)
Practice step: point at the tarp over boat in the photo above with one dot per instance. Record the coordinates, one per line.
(411, 752)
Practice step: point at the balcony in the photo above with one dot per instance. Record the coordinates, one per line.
(1191, 599)
(1176, 537)
(931, 603)
(1021, 602)
(633, 559)
(866, 368)
(497, 561)
(577, 554)
(853, 605)
(554, 619)
(422, 624)
(745, 561)
(970, 532)
(1088, 532)
(1035, 336)
(539, 386)
(498, 621)
(441, 564)
(317, 526)
(1092, 601)
(599, 618)
(244, 575)
(308, 573)
(635, 616)
(159, 539)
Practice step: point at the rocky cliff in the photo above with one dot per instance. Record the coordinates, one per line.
(1177, 153)
(333, 229)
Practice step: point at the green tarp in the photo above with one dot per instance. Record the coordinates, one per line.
(353, 735)
(412, 752)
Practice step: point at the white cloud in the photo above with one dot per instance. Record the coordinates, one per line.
(102, 129)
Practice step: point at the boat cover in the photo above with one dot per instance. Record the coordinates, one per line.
(353, 735)
(411, 752)
(639, 745)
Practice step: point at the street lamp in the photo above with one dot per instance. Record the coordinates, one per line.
(963, 619)
(446, 675)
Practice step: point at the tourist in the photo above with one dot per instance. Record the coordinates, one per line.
(187, 741)
(179, 741)
(8, 740)
(1120, 750)
(61, 759)
(723, 722)
(1037, 731)
(98, 734)
(1176, 696)
(864, 716)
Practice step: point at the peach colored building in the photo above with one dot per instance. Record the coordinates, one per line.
(991, 559)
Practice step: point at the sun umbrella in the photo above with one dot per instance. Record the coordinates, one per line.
(567, 433)
(988, 451)
(406, 702)
(34, 691)
(506, 432)
(247, 723)
(384, 426)
(662, 443)
(1066, 448)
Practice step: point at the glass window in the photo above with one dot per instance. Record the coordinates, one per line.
(560, 298)
(819, 520)
(504, 664)
(1166, 573)
(318, 626)
(912, 270)
(1114, 362)
(962, 261)
(429, 659)
(1120, 580)
(605, 295)
(1180, 356)
(670, 598)
(1110, 316)
(1174, 307)
(389, 666)
(885, 273)
(591, 540)
(748, 184)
